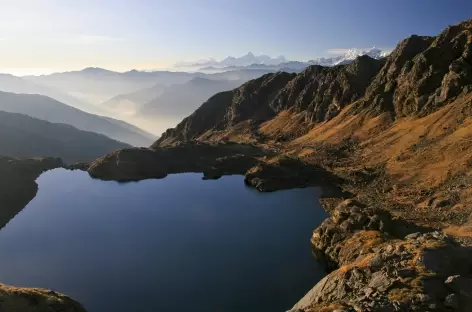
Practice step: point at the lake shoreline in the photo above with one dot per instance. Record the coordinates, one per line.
(133, 185)
(380, 258)
(360, 241)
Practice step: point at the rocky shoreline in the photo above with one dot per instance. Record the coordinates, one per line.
(379, 263)
(376, 261)
(263, 168)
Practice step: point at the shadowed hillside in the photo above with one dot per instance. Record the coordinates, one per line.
(24, 136)
(48, 109)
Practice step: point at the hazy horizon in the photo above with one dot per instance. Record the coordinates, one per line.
(155, 35)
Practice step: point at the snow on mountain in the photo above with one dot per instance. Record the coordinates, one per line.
(245, 60)
(251, 61)
(349, 56)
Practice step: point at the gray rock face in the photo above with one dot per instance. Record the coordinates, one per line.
(423, 73)
(322, 92)
(378, 266)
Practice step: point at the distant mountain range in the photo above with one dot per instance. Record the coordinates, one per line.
(98, 85)
(244, 60)
(24, 136)
(10, 83)
(178, 100)
(150, 99)
(48, 109)
(265, 62)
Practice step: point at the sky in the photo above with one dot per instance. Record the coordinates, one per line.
(43, 36)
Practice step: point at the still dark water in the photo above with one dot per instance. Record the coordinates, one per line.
(172, 245)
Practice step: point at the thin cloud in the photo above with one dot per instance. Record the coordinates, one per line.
(92, 39)
(338, 51)
(343, 51)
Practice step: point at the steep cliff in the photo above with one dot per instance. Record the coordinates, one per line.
(322, 92)
(423, 73)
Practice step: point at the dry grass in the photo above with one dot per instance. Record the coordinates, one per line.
(35, 299)
(362, 262)
(420, 157)
(459, 231)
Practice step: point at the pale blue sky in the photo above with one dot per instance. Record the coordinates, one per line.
(51, 35)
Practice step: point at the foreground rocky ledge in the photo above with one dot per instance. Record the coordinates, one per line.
(384, 264)
(14, 299)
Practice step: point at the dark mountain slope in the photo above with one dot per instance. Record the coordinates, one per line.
(48, 109)
(24, 136)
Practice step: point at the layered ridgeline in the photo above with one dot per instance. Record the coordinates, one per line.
(10, 83)
(171, 102)
(48, 109)
(130, 103)
(24, 136)
(98, 85)
(179, 100)
(394, 133)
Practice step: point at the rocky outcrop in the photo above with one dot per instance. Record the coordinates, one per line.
(322, 92)
(378, 266)
(213, 160)
(287, 172)
(17, 183)
(15, 299)
(262, 170)
(423, 73)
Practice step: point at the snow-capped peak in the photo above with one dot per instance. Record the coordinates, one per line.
(349, 56)
(267, 62)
